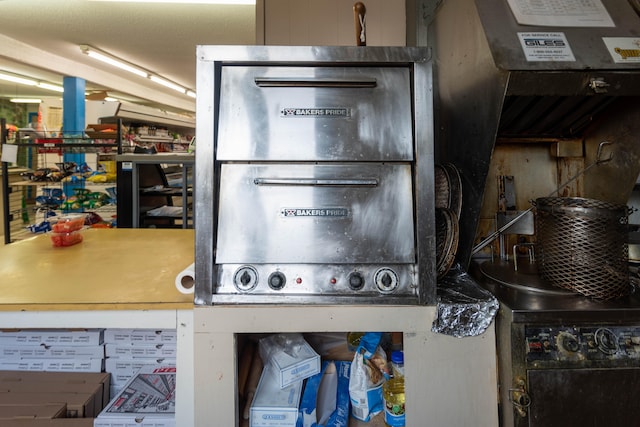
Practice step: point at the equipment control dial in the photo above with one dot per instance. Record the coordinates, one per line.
(606, 340)
(356, 281)
(245, 278)
(276, 280)
(386, 280)
(567, 342)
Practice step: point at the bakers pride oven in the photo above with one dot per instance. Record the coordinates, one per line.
(314, 175)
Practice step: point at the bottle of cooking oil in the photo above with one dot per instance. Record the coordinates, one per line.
(397, 363)
(393, 393)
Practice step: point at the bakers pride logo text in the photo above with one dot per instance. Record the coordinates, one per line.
(315, 112)
(314, 212)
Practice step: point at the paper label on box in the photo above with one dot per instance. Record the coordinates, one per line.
(274, 406)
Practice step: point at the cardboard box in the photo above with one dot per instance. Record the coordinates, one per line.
(49, 410)
(292, 364)
(32, 351)
(148, 336)
(148, 399)
(135, 422)
(272, 405)
(93, 389)
(330, 386)
(79, 405)
(99, 378)
(53, 422)
(132, 350)
(67, 337)
(52, 365)
(122, 370)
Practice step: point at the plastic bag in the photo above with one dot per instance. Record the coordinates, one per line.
(368, 372)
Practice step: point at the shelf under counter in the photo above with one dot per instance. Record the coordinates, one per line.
(449, 381)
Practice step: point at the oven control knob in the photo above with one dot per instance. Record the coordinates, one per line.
(570, 343)
(568, 346)
(276, 281)
(386, 280)
(356, 281)
(245, 278)
(606, 340)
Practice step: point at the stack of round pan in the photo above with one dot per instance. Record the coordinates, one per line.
(448, 203)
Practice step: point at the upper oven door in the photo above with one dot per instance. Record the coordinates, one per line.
(285, 113)
(309, 213)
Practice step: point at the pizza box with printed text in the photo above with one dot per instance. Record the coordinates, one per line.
(130, 350)
(68, 337)
(122, 370)
(51, 351)
(147, 400)
(148, 336)
(52, 365)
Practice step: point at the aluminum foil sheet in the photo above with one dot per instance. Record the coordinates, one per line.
(464, 309)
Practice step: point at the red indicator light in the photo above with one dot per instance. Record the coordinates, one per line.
(298, 280)
(333, 281)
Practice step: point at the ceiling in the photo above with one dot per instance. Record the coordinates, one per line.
(40, 39)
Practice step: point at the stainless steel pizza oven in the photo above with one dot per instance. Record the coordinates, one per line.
(315, 175)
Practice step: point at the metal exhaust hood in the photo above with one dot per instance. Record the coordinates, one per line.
(491, 82)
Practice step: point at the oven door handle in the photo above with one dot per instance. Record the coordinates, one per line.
(363, 82)
(315, 182)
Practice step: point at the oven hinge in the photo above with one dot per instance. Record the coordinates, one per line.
(519, 397)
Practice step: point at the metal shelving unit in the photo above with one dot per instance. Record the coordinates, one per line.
(130, 208)
(63, 145)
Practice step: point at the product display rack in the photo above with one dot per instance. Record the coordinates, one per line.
(61, 145)
(132, 209)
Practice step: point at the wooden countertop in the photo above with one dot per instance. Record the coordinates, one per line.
(112, 269)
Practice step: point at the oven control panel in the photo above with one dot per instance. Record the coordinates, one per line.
(597, 344)
(311, 281)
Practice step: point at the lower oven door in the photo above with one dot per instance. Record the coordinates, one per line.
(318, 214)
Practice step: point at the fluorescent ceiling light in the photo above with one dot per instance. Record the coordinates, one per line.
(110, 59)
(100, 56)
(239, 2)
(167, 83)
(30, 82)
(49, 86)
(26, 100)
(17, 79)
